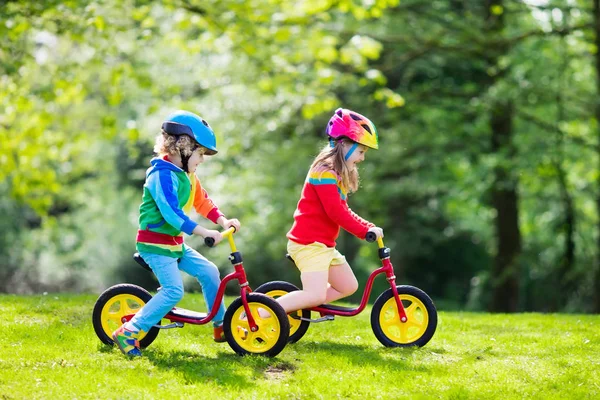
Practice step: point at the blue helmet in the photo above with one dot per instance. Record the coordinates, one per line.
(186, 123)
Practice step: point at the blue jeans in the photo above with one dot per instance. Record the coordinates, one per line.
(166, 270)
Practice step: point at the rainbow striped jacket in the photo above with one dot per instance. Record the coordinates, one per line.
(169, 196)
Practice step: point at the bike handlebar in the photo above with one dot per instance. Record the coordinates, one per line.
(210, 242)
(371, 237)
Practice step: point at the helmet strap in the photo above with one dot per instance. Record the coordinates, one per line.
(184, 161)
(350, 151)
(184, 158)
(331, 143)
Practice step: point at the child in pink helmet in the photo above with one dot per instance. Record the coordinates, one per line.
(322, 210)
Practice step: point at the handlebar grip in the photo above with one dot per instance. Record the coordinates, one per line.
(210, 242)
(371, 237)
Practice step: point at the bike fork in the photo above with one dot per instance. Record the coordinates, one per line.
(401, 311)
(251, 322)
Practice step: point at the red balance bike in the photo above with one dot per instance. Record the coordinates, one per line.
(402, 316)
(245, 330)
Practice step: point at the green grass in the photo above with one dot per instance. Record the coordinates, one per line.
(48, 349)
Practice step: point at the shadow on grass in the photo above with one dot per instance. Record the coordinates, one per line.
(397, 359)
(104, 348)
(225, 369)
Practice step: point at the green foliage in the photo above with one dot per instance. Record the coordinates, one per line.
(84, 86)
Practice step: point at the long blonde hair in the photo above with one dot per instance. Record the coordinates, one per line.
(333, 158)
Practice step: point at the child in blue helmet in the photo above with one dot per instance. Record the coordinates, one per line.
(171, 191)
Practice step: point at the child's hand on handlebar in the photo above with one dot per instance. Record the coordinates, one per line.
(228, 223)
(377, 231)
(208, 233)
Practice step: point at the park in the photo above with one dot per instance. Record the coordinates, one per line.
(482, 174)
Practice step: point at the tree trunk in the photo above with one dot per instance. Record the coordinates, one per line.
(565, 268)
(505, 270)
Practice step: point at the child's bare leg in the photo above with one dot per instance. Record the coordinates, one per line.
(313, 293)
(342, 282)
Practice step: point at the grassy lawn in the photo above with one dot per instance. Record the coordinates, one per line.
(48, 349)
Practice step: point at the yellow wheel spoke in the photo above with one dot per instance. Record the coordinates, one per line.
(110, 309)
(268, 326)
(410, 309)
(129, 311)
(410, 317)
(243, 323)
(390, 312)
(269, 338)
(403, 332)
(389, 327)
(271, 330)
(389, 317)
(254, 312)
(116, 319)
(413, 323)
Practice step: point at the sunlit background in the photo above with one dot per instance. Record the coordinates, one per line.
(486, 182)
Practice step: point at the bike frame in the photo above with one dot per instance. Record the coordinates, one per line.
(386, 268)
(239, 274)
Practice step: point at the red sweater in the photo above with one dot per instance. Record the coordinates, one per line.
(323, 209)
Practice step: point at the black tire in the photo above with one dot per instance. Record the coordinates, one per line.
(276, 289)
(420, 326)
(137, 296)
(272, 334)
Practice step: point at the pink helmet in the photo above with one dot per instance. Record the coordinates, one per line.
(358, 128)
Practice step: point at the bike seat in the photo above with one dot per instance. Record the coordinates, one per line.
(138, 259)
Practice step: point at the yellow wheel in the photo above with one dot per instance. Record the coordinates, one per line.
(115, 303)
(421, 318)
(272, 323)
(277, 289)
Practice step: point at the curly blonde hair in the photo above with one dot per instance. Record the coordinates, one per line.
(333, 158)
(174, 145)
